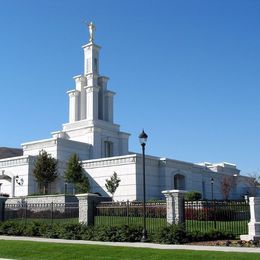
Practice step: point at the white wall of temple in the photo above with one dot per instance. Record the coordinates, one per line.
(152, 178)
(58, 148)
(17, 166)
(100, 170)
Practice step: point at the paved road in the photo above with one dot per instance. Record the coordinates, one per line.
(142, 245)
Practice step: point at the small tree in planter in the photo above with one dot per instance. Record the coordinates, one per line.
(112, 184)
(45, 170)
(74, 174)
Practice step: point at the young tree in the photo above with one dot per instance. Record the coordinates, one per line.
(227, 183)
(45, 170)
(112, 184)
(253, 183)
(83, 185)
(74, 174)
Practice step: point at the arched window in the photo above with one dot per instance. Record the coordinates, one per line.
(179, 182)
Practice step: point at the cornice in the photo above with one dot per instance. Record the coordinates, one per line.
(89, 45)
(118, 160)
(73, 93)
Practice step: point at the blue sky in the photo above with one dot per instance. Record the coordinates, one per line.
(185, 71)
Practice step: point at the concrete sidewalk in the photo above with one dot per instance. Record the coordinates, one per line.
(136, 245)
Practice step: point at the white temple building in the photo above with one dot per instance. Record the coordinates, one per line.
(103, 148)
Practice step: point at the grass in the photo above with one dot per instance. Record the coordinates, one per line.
(236, 227)
(152, 223)
(40, 250)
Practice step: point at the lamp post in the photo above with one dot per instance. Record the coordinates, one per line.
(212, 201)
(143, 138)
(212, 183)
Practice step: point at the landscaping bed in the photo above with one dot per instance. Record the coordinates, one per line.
(234, 243)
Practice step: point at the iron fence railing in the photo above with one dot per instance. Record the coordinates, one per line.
(131, 213)
(47, 212)
(230, 216)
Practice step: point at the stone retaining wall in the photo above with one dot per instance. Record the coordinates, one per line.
(59, 198)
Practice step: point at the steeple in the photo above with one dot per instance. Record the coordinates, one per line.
(91, 100)
(91, 109)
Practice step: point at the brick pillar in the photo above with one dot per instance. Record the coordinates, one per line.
(175, 206)
(87, 207)
(2, 208)
(254, 224)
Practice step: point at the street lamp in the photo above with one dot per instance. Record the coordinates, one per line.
(214, 206)
(143, 138)
(212, 183)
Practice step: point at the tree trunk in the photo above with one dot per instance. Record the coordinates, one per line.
(45, 188)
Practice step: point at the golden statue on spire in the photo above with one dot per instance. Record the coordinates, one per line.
(91, 28)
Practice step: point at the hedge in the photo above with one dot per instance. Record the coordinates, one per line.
(173, 234)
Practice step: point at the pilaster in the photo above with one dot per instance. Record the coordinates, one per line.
(81, 82)
(175, 206)
(73, 105)
(254, 224)
(87, 207)
(92, 102)
(110, 112)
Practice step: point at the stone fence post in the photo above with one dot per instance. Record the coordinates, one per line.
(175, 206)
(254, 224)
(2, 208)
(87, 207)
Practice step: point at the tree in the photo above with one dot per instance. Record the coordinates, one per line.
(253, 182)
(45, 170)
(74, 174)
(227, 183)
(112, 184)
(83, 186)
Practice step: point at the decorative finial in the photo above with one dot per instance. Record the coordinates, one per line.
(91, 28)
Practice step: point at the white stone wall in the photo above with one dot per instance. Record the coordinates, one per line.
(58, 148)
(16, 166)
(43, 199)
(100, 170)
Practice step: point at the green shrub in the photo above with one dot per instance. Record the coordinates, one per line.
(210, 235)
(11, 228)
(117, 233)
(174, 234)
(192, 196)
(69, 231)
(34, 229)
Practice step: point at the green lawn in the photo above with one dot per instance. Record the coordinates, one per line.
(151, 223)
(39, 250)
(236, 227)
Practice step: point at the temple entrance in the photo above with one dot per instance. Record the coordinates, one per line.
(8, 182)
(179, 182)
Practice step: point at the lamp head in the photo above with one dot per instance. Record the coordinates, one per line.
(143, 138)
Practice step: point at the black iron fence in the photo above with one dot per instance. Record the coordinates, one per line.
(131, 213)
(231, 216)
(47, 212)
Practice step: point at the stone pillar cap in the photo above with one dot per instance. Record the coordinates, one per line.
(174, 191)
